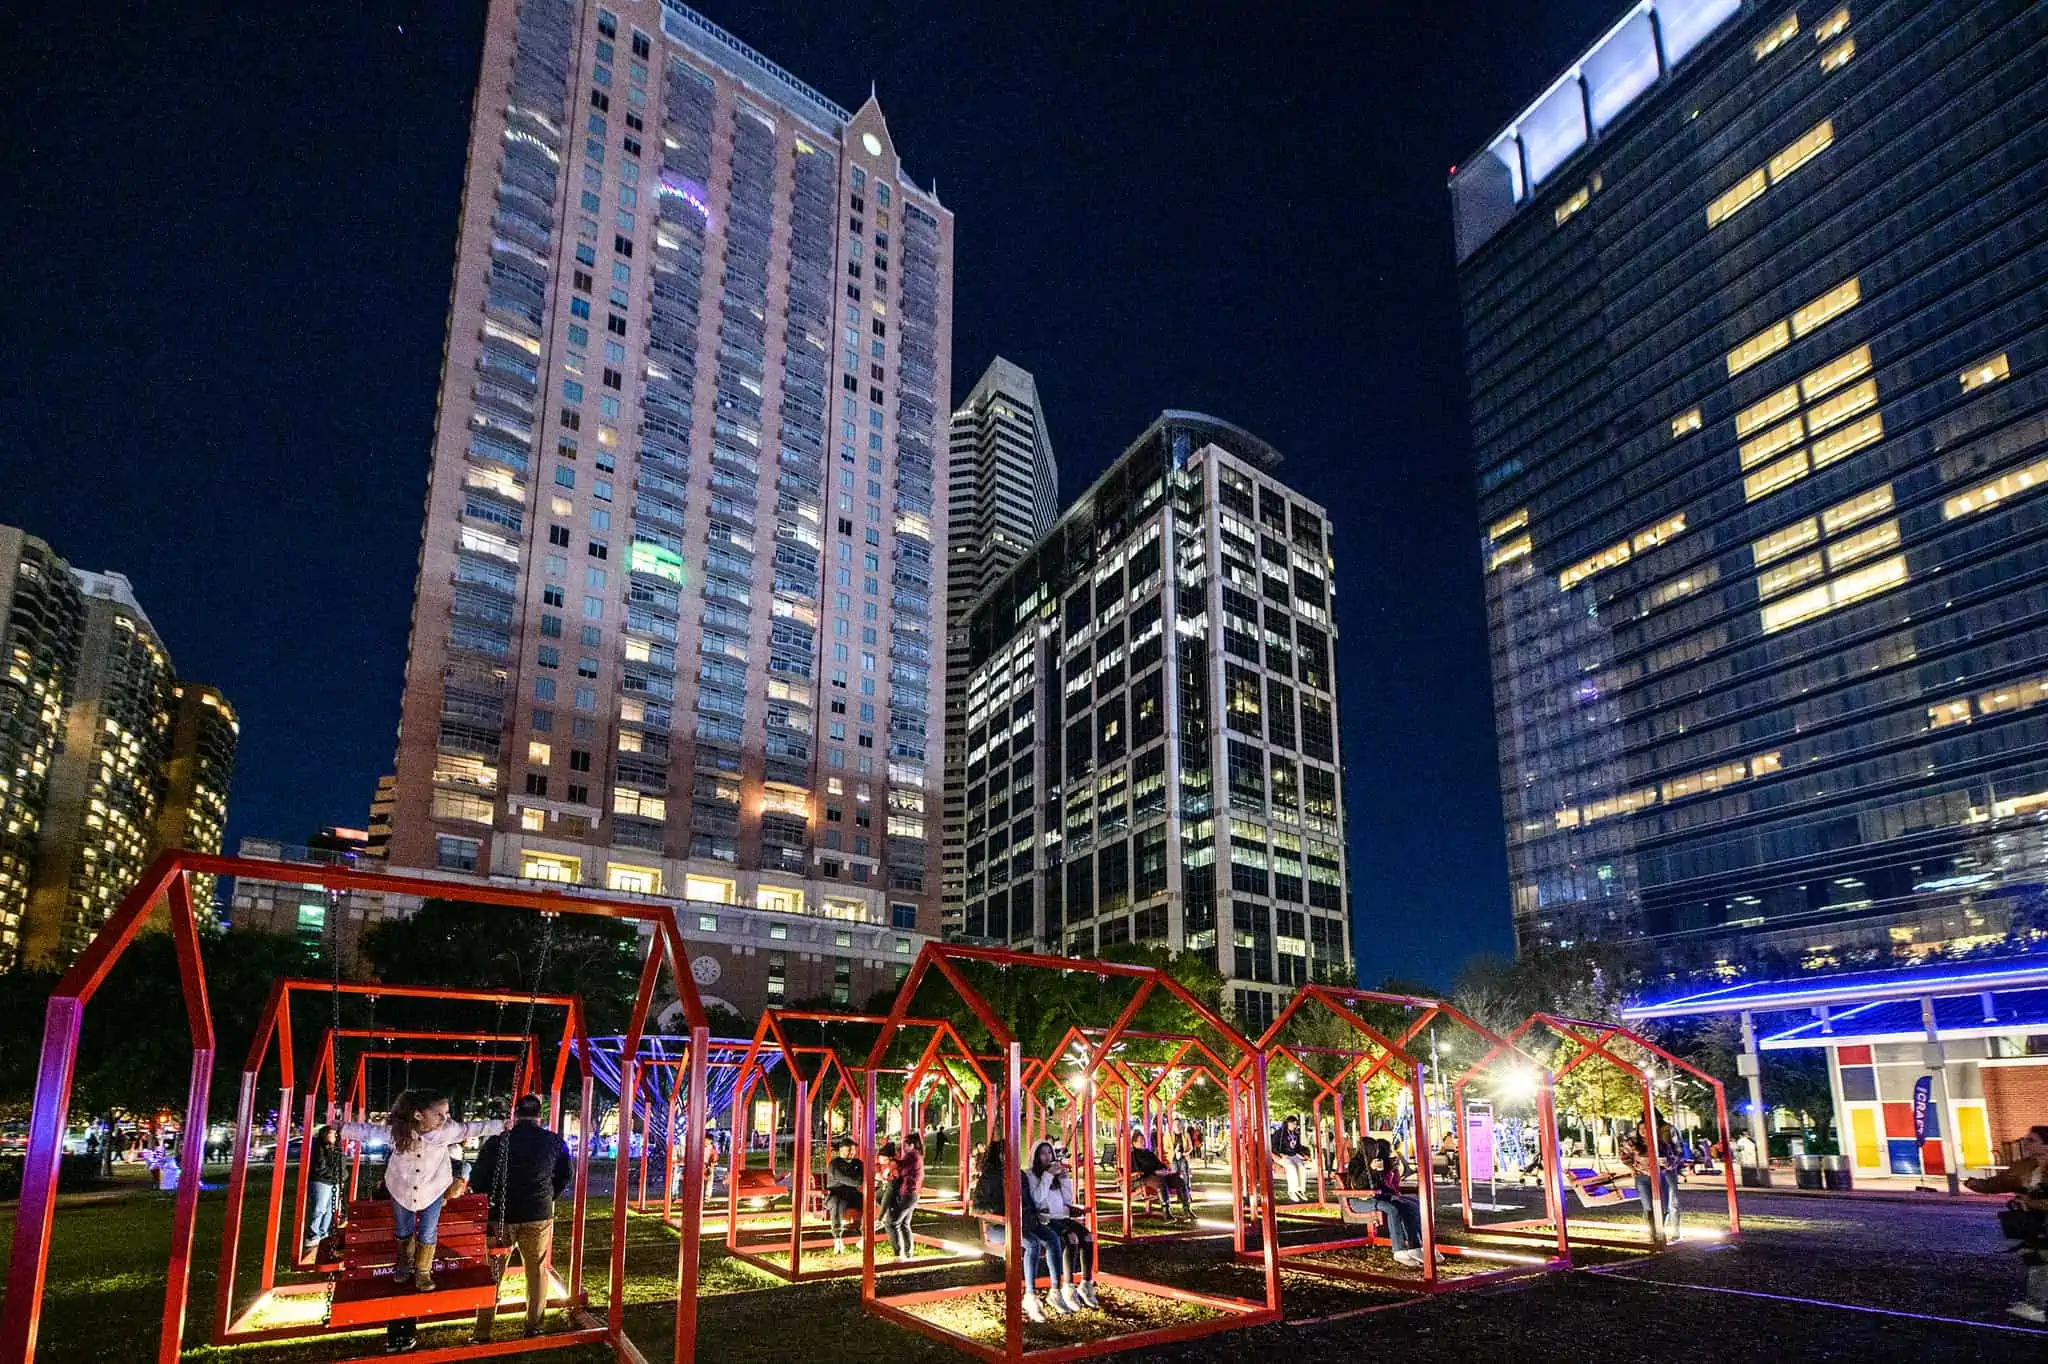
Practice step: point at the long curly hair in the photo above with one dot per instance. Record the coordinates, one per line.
(404, 1117)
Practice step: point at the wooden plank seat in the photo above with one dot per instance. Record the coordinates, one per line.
(464, 1280)
(755, 1185)
(1596, 1190)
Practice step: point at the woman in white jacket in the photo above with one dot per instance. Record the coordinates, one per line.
(423, 1142)
(1045, 1183)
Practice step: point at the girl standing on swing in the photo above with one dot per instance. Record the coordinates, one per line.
(423, 1143)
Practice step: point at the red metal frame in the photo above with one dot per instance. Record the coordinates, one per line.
(276, 1024)
(1137, 1094)
(810, 1065)
(1595, 1040)
(945, 959)
(323, 1071)
(1382, 1053)
(167, 881)
(720, 1055)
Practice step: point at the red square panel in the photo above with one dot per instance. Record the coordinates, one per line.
(1898, 1120)
(1930, 1158)
(1853, 1056)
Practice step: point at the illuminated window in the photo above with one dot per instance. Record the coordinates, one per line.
(1832, 25)
(1647, 540)
(1586, 568)
(627, 801)
(1758, 415)
(1769, 341)
(779, 898)
(1737, 198)
(1790, 574)
(1837, 57)
(1990, 494)
(1990, 372)
(713, 889)
(1685, 423)
(1948, 713)
(2013, 696)
(1861, 507)
(538, 752)
(1573, 204)
(1844, 405)
(1508, 524)
(1779, 543)
(1508, 553)
(1771, 443)
(1855, 436)
(1772, 477)
(1787, 29)
(1713, 778)
(1803, 149)
(1850, 587)
(635, 880)
(539, 866)
(1765, 763)
(1827, 307)
(461, 806)
(1835, 373)
(1864, 543)
(533, 820)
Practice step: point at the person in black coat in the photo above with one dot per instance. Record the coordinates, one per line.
(524, 1170)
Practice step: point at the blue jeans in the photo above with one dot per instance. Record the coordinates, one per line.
(1404, 1220)
(1044, 1241)
(320, 1211)
(1655, 1194)
(422, 1226)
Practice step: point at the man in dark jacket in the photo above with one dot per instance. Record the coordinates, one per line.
(846, 1188)
(524, 1171)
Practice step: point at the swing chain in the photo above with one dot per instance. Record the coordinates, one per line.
(499, 1228)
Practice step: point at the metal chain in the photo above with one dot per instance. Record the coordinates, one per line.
(547, 947)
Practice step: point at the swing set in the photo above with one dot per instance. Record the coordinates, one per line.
(467, 1270)
(1397, 1050)
(1012, 1112)
(826, 1084)
(657, 1113)
(1577, 1042)
(167, 883)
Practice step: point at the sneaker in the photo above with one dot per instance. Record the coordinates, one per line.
(1032, 1310)
(1069, 1299)
(1055, 1305)
(2026, 1311)
(838, 1246)
(1087, 1294)
(1408, 1257)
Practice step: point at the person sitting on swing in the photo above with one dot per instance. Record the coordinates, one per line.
(524, 1172)
(1051, 1192)
(1155, 1177)
(846, 1187)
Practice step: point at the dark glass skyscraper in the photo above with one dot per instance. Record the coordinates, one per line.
(1753, 297)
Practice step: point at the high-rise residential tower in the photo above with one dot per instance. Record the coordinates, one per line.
(1002, 493)
(674, 625)
(42, 614)
(1759, 371)
(1152, 723)
(197, 771)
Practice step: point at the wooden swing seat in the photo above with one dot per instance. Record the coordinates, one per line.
(367, 1295)
(1596, 1190)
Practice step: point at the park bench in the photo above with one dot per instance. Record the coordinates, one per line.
(367, 1295)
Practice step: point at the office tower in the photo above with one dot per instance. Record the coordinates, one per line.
(41, 616)
(107, 780)
(1152, 723)
(1752, 300)
(674, 621)
(1002, 493)
(200, 765)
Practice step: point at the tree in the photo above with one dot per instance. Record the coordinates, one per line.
(493, 947)
(135, 1051)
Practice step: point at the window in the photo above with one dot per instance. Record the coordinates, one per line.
(1803, 149)
(1837, 57)
(1785, 30)
(1827, 307)
(1685, 423)
(1745, 191)
(1990, 372)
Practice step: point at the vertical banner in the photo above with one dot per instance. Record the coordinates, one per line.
(1923, 1097)
(1479, 1140)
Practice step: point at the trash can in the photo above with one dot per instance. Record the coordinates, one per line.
(1755, 1177)
(1834, 1173)
(1806, 1171)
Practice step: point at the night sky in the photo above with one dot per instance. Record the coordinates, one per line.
(228, 248)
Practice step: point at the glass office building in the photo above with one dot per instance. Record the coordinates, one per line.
(1151, 715)
(1753, 298)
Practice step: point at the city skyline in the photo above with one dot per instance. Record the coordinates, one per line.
(314, 734)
